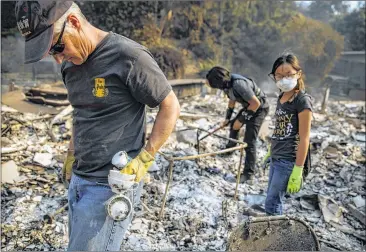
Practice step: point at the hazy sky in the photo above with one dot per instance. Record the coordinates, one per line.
(352, 4)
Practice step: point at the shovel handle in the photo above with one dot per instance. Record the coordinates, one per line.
(212, 132)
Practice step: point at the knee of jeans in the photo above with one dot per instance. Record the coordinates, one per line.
(274, 190)
(236, 125)
(250, 150)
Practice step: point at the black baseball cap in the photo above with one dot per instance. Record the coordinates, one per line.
(35, 21)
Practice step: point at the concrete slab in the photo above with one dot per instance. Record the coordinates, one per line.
(9, 172)
(17, 100)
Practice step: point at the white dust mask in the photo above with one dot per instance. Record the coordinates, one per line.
(287, 84)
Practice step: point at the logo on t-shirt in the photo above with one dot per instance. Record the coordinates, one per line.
(283, 126)
(99, 89)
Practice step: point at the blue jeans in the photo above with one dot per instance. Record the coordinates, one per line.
(279, 175)
(90, 227)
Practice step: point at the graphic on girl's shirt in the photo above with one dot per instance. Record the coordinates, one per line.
(283, 127)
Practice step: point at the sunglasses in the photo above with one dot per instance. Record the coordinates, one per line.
(58, 47)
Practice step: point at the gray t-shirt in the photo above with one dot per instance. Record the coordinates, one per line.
(242, 90)
(109, 93)
(285, 138)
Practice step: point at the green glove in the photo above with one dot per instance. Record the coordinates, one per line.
(295, 181)
(67, 168)
(139, 165)
(266, 159)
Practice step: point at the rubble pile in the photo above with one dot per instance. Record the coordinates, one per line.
(31, 185)
(200, 211)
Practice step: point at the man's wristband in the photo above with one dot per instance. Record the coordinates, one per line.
(229, 112)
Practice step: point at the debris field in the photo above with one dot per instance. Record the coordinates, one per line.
(200, 211)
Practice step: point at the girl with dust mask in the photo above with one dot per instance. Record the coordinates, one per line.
(290, 140)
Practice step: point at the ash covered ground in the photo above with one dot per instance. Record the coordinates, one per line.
(200, 211)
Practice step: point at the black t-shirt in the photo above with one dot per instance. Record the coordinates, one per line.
(285, 138)
(108, 93)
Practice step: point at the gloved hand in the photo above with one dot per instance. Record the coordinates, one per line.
(67, 168)
(295, 181)
(139, 165)
(224, 123)
(229, 112)
(248, 114)
(266, 159)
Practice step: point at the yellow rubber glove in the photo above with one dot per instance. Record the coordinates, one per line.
(295, 181)
(139, 165)
(67, 168)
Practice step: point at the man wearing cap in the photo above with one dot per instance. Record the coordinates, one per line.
(110, 79)
(254, 109)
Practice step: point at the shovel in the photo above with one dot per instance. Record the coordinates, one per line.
(215, 130)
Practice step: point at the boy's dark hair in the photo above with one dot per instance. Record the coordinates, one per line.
(218, 77)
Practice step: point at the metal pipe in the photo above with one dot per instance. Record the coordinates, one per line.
(198, 141)
(172, 159)
(198, 148)
(171, 164)
(238, 175)
(242, 146)
(164, 155)
(48, 218)
(227, 138)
